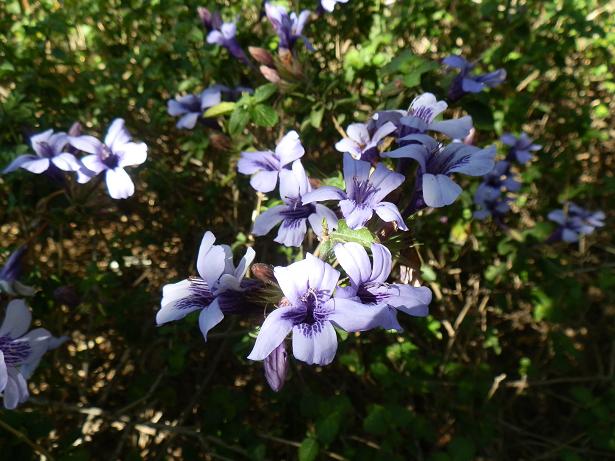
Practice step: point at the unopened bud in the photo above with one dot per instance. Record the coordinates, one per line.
(261, 55)
(276, 367)
(270, 74)
(263, 272)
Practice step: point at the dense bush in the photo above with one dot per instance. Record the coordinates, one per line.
(516, 359)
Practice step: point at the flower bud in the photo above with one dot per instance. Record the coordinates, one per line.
(261, 55)
(263, 272)
(276, 367)
(270, 74)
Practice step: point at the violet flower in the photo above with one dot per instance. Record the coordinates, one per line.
(520, 148)
(368, 283)
(190, 108)
(50, 152)
(362, 145)
(218, 290)
(289, 28)
(20, 352)
(421, 118)
(10, 272)
(574, 222)
(222, 33)
(465, 83)
(110, 158)
(265, 166)
(437, 162)
(490, 202)
(294, 214)
(364, 193)
(310, 313)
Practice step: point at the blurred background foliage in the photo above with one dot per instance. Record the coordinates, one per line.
(516, 360)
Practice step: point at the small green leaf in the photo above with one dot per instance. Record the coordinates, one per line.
(264, 115)
(220, 109)
(263, 93)
(238, 121)
(427, 273)
(344, 234)
(308, 450)
(316, 116)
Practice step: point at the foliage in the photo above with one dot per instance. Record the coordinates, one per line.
(515, 360)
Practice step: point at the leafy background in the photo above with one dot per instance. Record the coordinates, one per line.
(516, 360)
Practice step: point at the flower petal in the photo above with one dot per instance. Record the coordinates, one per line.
(267, 220)
(323, 193)
(132, 153)
(85, 143)
(188, 121)
(172, 293)
(264, 181)
(315, 345)
(389, 212)
(117, 134)
(119, 184)
(355, 262)
(66, 162)
(15, 164)
(381, 264)
(439, 190)
(211, 260)
(36, 166)
(210, 317)
(273, 331)
(16, 320)
(289, 148)
(354, 316)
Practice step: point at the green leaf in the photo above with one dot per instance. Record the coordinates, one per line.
(344, 234)
(316, 116)
(220, 109)
(264, 115)
(238, 121)
(428, 274)
(308, 450)
(263, 93)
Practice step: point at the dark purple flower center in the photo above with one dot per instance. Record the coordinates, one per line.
(15, 352)
(297, 210)
(200, 295)
(45, 149)
(309, 314)
(373, 292)
(362, 191)
(110, 159)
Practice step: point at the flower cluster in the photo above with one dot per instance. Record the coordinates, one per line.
(56, 152)
(494, 195)
(574, 222)
(222, 33)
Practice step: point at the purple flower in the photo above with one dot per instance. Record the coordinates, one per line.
(362, 145)
(218, 290)
(288, 27)
(575, 221)
(437, 162)
(501, 177)
(421, 118)
(520, 148)
(20, 352)
(364, 194)
(190, 108)
(490, 202)
(368, 283)
(465, 83)
(294, 214)
(265, 166)
(110, 158)
(329, 5)
(10, 272)
(222, 33)
(50, 152)
(310, 313)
